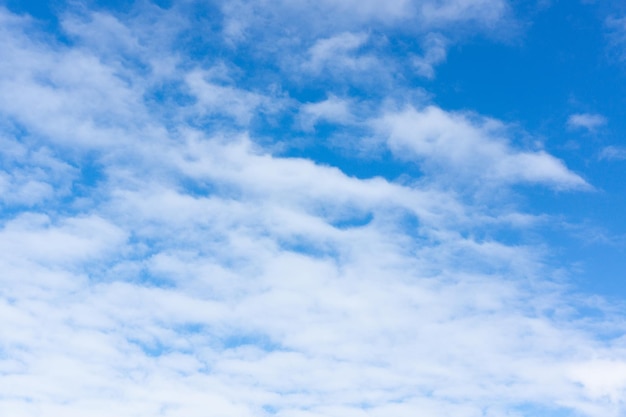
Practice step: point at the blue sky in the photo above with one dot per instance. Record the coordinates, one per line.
(312, 208)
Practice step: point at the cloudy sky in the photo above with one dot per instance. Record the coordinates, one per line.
(312, 208)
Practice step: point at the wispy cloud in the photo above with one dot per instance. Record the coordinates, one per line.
(588, 121)
(470, 150)
(613, 153)
(348, 14)
(332, 110)
(441, 13)
(160, 258)
(337, 51)
(215, 98)
(434, 53)
(339, 43)
(616, 26)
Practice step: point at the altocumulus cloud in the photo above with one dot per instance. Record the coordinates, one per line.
(165, 251)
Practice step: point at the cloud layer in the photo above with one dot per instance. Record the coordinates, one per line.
(163, 253)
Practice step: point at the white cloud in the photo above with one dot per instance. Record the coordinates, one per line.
(202, 272)
(602, 378)
(31, 175)
(31, 237)
(333, 109)
(340, 47)
(103, 33)
(617, 35)
(217, 99)
(434, 53)
(352, 13)
(586, 121)
(470, 150)
(338, 53)
(441, 13)
(613, 153)
(77, 96)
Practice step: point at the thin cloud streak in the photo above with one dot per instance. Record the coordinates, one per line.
(613, 153)
(587, 121)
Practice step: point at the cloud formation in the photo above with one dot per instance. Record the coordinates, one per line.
(434, 53)
(476, 150)
(416, 13)
(162, 253)
(587, 121)
(613, 153)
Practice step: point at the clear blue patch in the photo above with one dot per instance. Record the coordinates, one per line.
(531, 410)
(304, 246)
(192, 328)
(260, 341)
(199, 189)
(153, 348)
(92, 174)
(44, 11)
(353, 222)
(161, 97)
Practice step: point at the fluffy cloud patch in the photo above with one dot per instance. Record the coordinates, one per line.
(476, 150)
